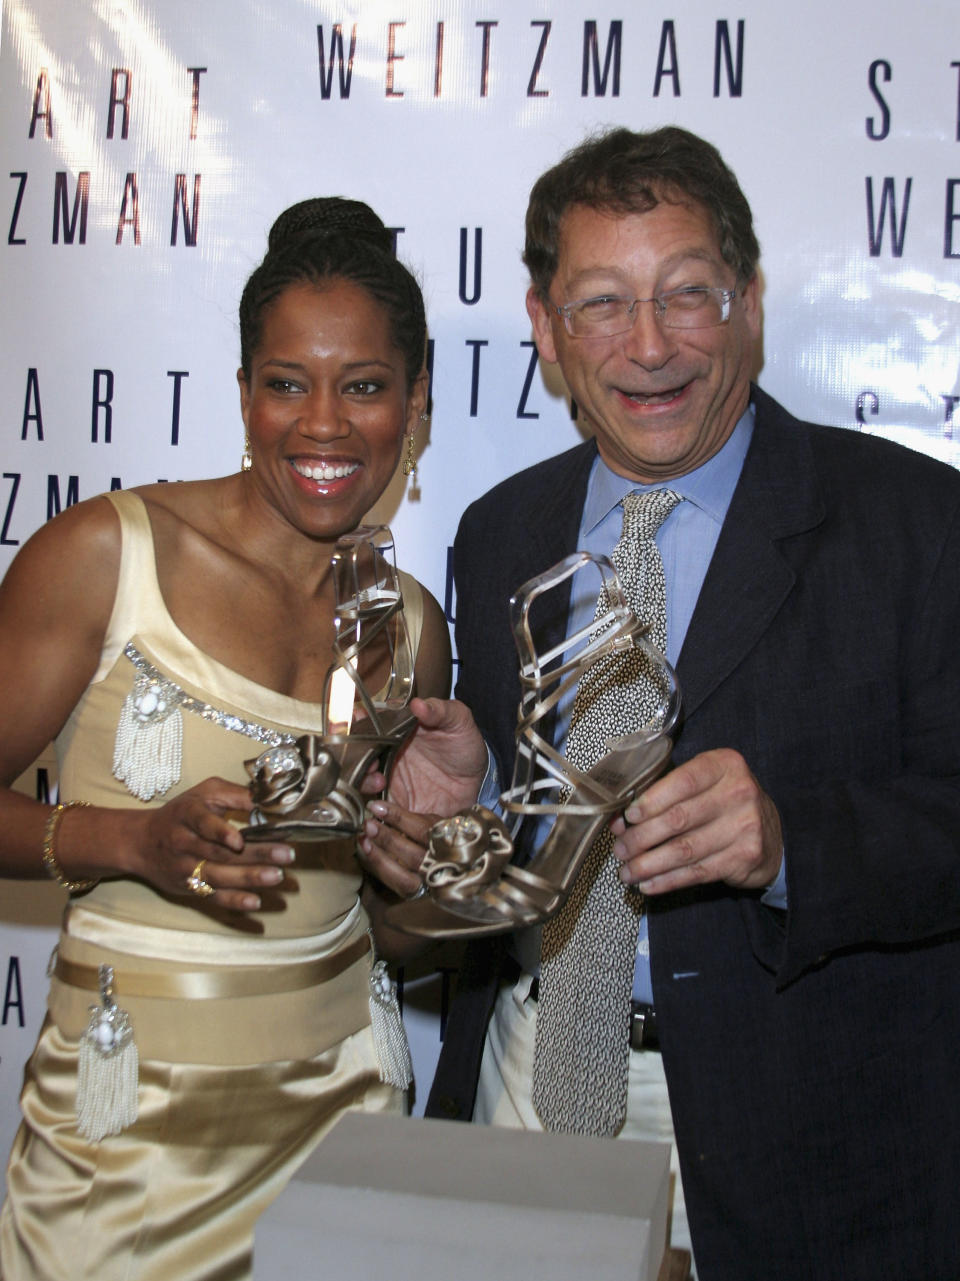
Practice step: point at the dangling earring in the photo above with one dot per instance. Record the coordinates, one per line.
(246, 462)
(410, 458)
(409, 466)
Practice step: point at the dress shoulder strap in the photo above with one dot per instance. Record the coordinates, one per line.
(138, 602)
(412, 594)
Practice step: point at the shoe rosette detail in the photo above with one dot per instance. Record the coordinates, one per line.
(465, 853)
(300, 782)
(276, 777)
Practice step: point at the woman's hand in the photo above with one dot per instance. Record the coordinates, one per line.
(391, 850)
(190, 835)
(393, 844)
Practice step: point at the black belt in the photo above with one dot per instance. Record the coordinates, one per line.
(643, 1021)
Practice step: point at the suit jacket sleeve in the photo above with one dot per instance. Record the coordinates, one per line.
(877, 853)
(824, 648)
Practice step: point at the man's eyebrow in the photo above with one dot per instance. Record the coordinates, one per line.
(614, 272)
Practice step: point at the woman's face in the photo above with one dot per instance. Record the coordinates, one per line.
(326, 406)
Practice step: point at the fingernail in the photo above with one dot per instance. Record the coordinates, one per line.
(270, 876)
(379, 808)
(283, 854)
(251, 902)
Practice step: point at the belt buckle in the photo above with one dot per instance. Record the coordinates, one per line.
(643, 1027)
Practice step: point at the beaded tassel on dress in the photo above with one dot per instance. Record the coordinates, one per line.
(108, 1068)
(389, 1035)
(148, 750)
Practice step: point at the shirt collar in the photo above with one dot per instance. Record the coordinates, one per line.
(709, 487)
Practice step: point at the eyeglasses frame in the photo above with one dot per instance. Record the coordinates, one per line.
(660, 302)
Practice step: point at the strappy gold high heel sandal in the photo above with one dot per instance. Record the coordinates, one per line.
(309, 789)
(470, 886)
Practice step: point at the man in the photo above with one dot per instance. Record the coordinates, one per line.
(799, 863)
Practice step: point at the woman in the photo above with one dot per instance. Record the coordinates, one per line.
(162, 637)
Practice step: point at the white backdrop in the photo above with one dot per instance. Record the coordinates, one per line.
(148, 145)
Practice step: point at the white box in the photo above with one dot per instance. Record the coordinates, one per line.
(405, 1199)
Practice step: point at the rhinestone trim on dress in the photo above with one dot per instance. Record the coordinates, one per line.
(173, 696)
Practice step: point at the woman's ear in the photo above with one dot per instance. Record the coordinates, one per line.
(417, 400)
(244, 395)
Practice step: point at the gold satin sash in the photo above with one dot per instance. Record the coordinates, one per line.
(272, 1000)
(200, 985)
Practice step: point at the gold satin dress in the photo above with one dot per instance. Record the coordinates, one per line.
(253, 1032)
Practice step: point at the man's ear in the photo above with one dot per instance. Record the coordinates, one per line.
(750, 295)
(542, 320)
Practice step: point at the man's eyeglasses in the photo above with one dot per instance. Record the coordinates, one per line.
(697, 307)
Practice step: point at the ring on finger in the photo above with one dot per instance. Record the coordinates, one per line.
(196, 884)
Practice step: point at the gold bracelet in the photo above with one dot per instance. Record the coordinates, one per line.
(49, 859)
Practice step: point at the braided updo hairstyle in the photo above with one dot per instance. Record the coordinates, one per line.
(328, 238)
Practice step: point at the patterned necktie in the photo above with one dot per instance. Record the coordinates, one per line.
(588, 949)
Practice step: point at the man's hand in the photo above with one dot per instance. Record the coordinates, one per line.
(438, 773)
(707, 820)
(441, 767)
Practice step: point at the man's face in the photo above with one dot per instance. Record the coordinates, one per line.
(660, 401)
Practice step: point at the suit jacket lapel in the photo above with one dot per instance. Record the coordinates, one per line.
(553, 516)
(749, 578)
(553, 527)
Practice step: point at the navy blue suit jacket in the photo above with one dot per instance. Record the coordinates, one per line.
(811, 1056)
